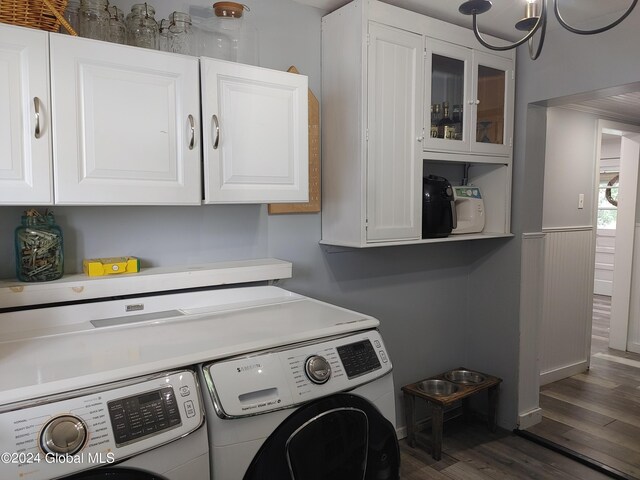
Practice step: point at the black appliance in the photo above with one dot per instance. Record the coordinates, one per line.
(438, 207)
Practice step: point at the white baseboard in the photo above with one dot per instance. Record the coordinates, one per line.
(530, 418)
(401, 433)
(563, 372)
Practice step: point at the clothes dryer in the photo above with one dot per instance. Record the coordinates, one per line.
(314, 410)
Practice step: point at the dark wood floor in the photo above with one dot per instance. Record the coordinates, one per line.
(597, 413)
(471, 452)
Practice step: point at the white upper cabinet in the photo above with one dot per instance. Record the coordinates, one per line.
(394, 173)
(384, 71)
(25, 125)
(255, 134)
(126, 124)
(469, 100)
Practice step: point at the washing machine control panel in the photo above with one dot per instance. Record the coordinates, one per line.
(284, 378)
(82, 430)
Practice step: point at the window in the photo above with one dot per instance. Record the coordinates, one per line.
(608, 200)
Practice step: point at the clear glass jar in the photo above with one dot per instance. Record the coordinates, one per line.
(163, 35)
(228, 35)
(142, 28)
(39, 249)
(181, 34)
(117, 28)
(93, 19)
(71, 16)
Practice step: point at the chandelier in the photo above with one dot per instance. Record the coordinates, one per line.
(535, 18)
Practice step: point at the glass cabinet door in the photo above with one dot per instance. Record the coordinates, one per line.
(493, 88)
(446, 93)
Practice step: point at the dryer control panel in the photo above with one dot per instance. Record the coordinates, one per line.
(65, 434)
(283, 378)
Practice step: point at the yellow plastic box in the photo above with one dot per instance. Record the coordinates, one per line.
(98, 267)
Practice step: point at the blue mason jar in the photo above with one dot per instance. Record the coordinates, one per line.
(39, 249)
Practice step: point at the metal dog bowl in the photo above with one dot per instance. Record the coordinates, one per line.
(466, 377)
(437, 387)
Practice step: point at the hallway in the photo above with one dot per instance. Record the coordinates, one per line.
(597, 413)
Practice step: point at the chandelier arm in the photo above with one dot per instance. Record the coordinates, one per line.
(556, 9)
(543, 32)
(501, 48)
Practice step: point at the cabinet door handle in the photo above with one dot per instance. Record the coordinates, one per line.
(36, 105)
(216, 126)
(192, 127)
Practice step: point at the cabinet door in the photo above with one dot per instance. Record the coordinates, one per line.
(447, 93)
(255, 134)
(394, 133)
(126, 123)
(25, 127)
(493, 109)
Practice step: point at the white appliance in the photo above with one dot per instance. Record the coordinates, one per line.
(141, 429)
(63, 367)
(469, 208)
(282, 413)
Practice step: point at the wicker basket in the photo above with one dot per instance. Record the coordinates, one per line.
(32, 13)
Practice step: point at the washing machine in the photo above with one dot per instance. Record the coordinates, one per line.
(149, 428)
(318, 409)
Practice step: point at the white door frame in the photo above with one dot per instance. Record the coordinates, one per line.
(625, 226)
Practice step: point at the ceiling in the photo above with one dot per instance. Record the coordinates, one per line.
(623, 106)
(503, 15)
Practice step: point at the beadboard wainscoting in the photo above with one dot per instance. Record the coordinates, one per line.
(567, 302)
(531, 288)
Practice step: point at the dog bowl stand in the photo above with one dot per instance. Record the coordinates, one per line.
(438, 403)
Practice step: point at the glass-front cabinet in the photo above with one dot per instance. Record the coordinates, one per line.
(467, 106)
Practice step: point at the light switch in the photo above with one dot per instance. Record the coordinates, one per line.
(580, 201)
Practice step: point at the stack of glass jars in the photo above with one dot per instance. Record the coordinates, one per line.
(223, 36)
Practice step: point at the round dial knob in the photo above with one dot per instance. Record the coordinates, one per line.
(317, 369)
(64, 435)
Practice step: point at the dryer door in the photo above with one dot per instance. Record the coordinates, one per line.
(341, 437)
(114, 474)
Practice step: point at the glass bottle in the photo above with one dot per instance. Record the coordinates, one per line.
(180, 33)
(71, 16)
(117, 28)
(457, 121)
(142, 28)
(445, 125)
(93, 19)
(39, 249)
(435, 118)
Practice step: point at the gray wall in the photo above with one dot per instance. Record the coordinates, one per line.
(441, 306)
(570, 168)
(421, 294)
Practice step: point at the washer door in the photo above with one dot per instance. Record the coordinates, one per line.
(341, 437)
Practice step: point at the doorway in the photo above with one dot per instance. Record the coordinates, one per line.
(589, 404)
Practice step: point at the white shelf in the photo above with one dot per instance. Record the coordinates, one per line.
(450, 238)
(70, 288)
